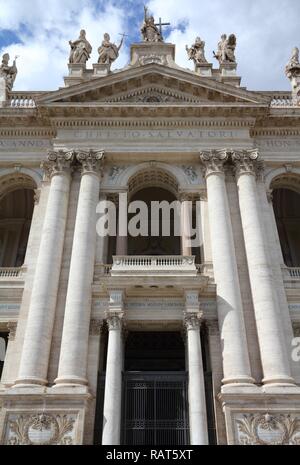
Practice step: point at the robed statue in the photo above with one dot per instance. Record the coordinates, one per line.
(149, 30)
(108, 52)
(81, 49)
(226, 49)
(9, 73)
(197, 52)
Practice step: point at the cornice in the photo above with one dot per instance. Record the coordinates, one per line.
(37, 133)
(61, 123)
(260, 132)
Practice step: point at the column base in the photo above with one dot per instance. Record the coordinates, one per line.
(30, 382)
(239, 380)
(68, 381)
(280, 380)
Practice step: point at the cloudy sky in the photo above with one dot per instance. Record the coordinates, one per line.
(39, 31)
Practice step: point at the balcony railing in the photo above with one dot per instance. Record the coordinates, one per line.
(11, 273)
(153, 265)
(293, 273)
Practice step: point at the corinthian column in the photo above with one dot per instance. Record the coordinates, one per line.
(74, 346)
(236, 363)
(274, 357)
(113, 383)
(38, 335)
(197, 399)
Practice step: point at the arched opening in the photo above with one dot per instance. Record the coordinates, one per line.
(16, 210)
(286, 203)
(163, 241)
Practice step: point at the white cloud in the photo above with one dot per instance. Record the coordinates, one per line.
(266, 31)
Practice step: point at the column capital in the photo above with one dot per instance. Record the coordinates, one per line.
(247, 162)
(58, 162)
(115, 321)
(192, 321)
(213, 161)
(91, 161)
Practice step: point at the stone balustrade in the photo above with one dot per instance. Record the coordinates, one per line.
(290, 273)
(6, 273)
(22, 99)
(154, 265)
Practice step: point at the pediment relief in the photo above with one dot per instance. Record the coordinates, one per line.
(154, 94)
(152, 84)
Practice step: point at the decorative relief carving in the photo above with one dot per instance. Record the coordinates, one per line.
(96, 327)
(40, 429)
(191, 173)
(58, 162)
(213, 161)
(115, 172)
(259, 429)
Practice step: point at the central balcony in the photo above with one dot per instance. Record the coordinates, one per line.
(150, 266)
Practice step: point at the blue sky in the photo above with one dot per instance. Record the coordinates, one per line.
(39, 31)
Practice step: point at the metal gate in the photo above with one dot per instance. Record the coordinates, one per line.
(155, 409)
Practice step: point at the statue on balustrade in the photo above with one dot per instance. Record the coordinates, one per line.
(292, 71)
(108, 52)
(149, 30)
(226, 49)
(9, 73)
(81, 49)
(197, 52)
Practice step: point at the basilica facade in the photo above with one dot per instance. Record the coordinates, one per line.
(150, 339)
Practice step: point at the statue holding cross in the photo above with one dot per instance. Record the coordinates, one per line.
(151, 31)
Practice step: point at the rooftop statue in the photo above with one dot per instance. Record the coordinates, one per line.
(8, 72)
(294, 64)
(226, 49)
(292, 71)
(149, 30)
(108, 52)
(197, 52)
(81, 49)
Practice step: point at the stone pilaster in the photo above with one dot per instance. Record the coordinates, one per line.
(36, 349)
(236, 363)
(74, 346)
(274, 357)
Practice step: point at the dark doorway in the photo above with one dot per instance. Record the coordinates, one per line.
(3, 347)
(155, 404)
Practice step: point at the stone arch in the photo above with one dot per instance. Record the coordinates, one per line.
(284, 177)
(23, 178)
(285, 185)
(154, 172)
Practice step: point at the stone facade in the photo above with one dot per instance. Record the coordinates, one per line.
(201, 136)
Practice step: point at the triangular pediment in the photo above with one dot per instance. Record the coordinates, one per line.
(152, 84)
